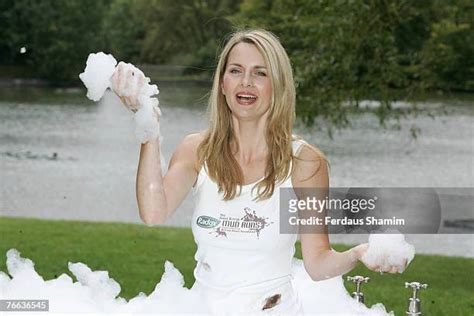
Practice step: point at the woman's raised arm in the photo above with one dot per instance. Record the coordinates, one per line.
(158, 196)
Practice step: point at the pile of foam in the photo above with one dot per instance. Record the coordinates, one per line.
(329, 297)
(95, 291)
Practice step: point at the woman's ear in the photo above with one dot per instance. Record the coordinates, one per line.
(222, 87)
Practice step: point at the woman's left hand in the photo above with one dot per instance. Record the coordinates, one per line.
(361, 249)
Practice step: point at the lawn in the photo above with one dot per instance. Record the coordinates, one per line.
(134, 255)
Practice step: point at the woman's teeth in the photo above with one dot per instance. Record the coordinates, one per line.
(247, 97)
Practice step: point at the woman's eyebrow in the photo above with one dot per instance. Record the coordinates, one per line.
(239, 65)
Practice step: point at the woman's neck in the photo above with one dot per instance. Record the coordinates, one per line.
(250, 138)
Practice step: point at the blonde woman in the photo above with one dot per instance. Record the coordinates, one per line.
(235, 170)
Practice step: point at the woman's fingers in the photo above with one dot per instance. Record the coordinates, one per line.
(119, 80)
(383, 265)
(116, 78)
(141, 82)
(403, 267)
(390, 269)
(122, 78)
(121, 84)
(128, 103)
(375, 268)
(129, 82)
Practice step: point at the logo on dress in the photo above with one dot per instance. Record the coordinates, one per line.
(207, 221)
(250, 223)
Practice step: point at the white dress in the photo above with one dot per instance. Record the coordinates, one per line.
(243, 261)
(245, 265)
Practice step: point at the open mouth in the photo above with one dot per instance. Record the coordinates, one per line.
(246, 99)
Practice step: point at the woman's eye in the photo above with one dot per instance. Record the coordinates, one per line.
(234, 71)
(261, 73)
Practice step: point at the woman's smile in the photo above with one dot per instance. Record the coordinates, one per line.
(246, 83)
(246, 98)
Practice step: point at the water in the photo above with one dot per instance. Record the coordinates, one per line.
(64, 157)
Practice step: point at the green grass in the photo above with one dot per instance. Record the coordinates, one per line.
(134, 255)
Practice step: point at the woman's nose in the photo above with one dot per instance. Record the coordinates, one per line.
(247, 80)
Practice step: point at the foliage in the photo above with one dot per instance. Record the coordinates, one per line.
(448, 51)
(183, 27)
(343, 51)
(125, 29)
(57, 35)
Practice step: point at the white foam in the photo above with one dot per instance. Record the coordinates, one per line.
(97, 76)
(146, 121)
(390, 249)
(328, 297)
(96, 292)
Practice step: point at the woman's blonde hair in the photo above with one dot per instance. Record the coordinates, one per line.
(215, 149)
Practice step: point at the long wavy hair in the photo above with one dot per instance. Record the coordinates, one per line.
(215, 149)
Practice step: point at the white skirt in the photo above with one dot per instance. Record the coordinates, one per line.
(267, 298)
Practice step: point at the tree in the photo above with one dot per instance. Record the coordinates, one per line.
(125, 29)
(447, 53)
(183, 27)
(58, 35)
(344, 52)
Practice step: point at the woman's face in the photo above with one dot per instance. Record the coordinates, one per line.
(246, 82)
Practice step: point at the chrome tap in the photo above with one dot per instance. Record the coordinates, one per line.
(358, 280)
(414, 303)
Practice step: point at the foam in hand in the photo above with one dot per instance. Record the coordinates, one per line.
(386, 250)
(97, 76)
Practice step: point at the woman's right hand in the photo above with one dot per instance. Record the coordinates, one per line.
(128, 82)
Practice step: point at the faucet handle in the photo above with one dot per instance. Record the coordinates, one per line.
(358, 279)
(414, 303)
(416, 285)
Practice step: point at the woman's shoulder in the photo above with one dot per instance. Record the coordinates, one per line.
(193, 140)
(188, 147)
(310, 160)
(306, 150)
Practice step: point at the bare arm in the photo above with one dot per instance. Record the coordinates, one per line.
(320, 261)
(158, 196)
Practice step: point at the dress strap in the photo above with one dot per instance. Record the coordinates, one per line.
(297, 145)
(201, 178)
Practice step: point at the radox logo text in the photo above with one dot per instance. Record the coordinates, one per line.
(207, 221)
